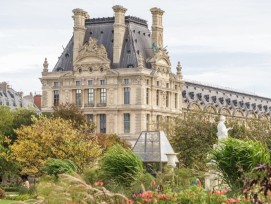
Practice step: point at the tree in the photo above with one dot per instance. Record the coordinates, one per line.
(6, 121)
(70, 112)
(53, 138)
(192, 137)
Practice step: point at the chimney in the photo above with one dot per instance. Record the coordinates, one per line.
(157, 27)
(4, 86)
(119, 30)
(37, 101)
(79, 30)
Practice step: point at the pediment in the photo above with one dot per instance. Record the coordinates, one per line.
(91, 50)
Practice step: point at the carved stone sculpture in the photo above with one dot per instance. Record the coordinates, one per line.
(222, 131)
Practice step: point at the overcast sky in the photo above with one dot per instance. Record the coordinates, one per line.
(221, 42)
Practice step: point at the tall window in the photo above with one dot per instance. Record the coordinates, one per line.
(176, 100)
(126, 95)
(126, 118)
(78, 97)
(90, 117)
(147, 121)
(147, 95)
(103, 82)
(90, 96)
(56, 97)
(157, 97)
(103, 96)
(167, 99)
(102, 123)
(157, 121)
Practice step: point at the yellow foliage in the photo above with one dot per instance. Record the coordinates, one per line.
(52, 138)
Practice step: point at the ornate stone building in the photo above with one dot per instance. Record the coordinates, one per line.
(119, 73)
(225, 101)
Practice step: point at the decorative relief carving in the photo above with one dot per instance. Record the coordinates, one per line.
(111, 96)
(140, 61)
(160, 61)
(98, 57)
(91, 48)
(44, 98)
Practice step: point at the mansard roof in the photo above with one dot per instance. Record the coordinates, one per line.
(9, 97)
(137, 39)
(219, 97)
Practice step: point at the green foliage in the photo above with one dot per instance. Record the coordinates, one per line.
(6, 121)
(91, 175)
(58, 166)
(252, 129)
(121, 165)
(22, 116)
(196, 195)
(192, 137)
(234, 158)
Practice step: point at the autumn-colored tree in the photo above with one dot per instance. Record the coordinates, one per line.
(108, 140)
(70, 112)
(53, 138)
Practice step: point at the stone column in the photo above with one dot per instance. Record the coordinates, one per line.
(119, 30)
(79, 30)
(157, 27)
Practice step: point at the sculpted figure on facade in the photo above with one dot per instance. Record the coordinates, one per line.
(91, 48)
(222, 130)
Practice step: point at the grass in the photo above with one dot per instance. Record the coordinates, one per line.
(4, 201)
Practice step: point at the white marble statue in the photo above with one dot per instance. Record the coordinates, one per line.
(222, 131)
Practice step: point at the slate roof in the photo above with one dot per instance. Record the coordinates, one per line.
(10, 98)
(137, 40)
(206, 94)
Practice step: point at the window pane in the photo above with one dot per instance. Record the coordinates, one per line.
(103, 96)
(102, 123)
(126, 95)
(126, 117)
(56, 97)
(78, 97)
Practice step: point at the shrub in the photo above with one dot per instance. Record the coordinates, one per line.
(58, 166)
(121, 165)
(234, 158)
(2, 193)
(91, 175)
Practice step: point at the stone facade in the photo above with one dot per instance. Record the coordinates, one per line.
(112, 72)
(118, 72)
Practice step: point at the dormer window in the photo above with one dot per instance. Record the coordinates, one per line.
(59, 69)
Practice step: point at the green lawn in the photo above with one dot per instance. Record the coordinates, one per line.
(6, 201)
